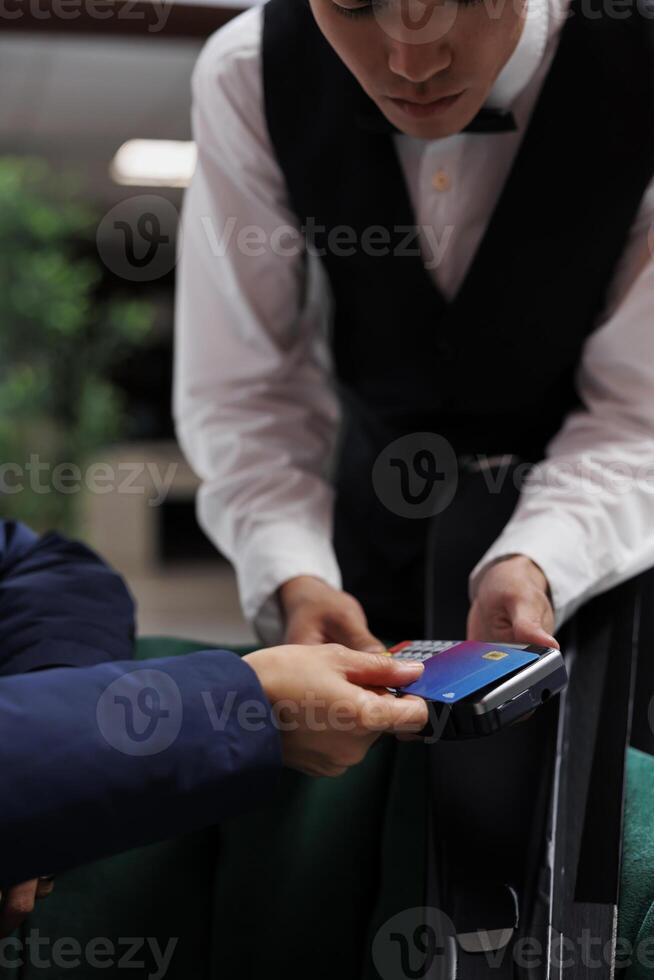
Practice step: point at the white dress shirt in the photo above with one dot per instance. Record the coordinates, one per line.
(256, 411)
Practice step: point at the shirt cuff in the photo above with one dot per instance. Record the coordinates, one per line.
(273, 555)
(560, 549)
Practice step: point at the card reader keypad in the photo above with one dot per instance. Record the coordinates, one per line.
(424, 649)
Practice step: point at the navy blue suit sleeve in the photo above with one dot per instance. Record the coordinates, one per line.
(98, 760)
(60, 604)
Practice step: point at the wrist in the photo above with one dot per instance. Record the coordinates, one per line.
(301, 588)
(526, 567)
(266, 665)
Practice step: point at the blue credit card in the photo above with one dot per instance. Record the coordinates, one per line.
(465, 668)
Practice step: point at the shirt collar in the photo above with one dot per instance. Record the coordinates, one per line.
(525, 60)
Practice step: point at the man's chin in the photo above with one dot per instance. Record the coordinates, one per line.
(422, 129)
(433, 127)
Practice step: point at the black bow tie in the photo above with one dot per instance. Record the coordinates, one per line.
(487, 120)
(492, 121)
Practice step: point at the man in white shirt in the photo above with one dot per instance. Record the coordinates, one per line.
(256, 407)
(512, 143)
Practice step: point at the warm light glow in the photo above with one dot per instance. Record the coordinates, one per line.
(154, 163)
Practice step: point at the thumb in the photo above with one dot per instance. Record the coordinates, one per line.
(381, 670)
(367, 642)
(351, 629)
(527, 626)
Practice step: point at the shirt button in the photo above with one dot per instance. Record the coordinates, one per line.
(440, 181)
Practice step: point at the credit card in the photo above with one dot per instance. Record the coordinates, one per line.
(464, 668)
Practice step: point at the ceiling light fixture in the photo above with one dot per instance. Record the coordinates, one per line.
(154, 163)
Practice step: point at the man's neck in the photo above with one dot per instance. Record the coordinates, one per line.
(526, 58)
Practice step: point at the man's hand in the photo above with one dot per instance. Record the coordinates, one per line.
(331, 704)
(512, 605)
(18, 901)
(314, 613)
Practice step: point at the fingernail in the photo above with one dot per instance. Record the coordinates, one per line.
(416, 666)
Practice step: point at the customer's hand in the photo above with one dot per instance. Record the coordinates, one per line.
(512, 605)
(331, 704)
(314, 612)
(18, 901)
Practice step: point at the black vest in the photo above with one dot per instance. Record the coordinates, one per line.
(492, 371)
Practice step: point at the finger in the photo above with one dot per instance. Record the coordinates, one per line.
(380, 670)
(350, 627)
(19, 902)
(408, 714)
(45, 887)
(531, 618)
(364, 642)
(307, 631)
(528, 630)
(486, 627)
(386, 713)
(320, 772)
(474, 627)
